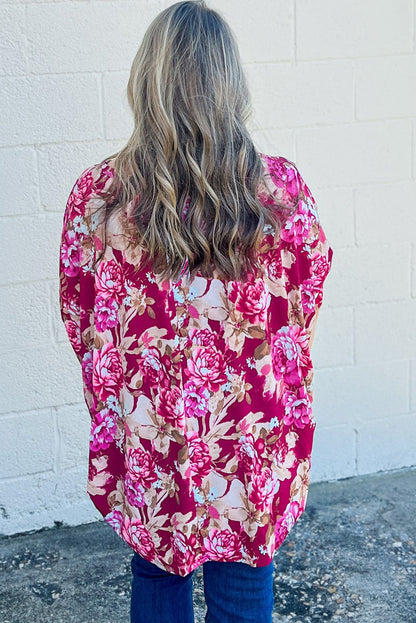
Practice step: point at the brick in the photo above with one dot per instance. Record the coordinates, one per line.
(412, 364)
(30, 247)
(384, 444)
(336, 210)
(12, 43)
(355, 394)
(74, 430)
(57, 326)
(75, 36)
(376, 213)
(370, 273)
(360, 153)
(19, 181)
(28, 443)
(38, 109)
(333, 453)
(274, 142)
(414, 31)
(385, 331)
(66, 161)
(72, 484)
(270, 38)
(51, 376)
(37, 501)
(385, 87)
(364, 347)
(333, 341)
(24, 309)
(118, 118)
(414, 147)
(353, 29)
(302, 94)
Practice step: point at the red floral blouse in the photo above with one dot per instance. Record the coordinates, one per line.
(199, 393)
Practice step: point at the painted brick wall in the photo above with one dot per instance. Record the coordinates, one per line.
(334, 89)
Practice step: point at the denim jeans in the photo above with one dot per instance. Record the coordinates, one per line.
(234, 593)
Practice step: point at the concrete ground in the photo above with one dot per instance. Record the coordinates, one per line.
(351, 557)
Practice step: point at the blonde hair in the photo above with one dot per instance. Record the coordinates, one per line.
(190, 103)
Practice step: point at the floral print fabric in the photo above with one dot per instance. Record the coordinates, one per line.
(199, 393)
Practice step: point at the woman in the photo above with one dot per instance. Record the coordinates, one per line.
(191, 275)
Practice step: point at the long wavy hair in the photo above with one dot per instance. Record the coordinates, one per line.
(190, 167)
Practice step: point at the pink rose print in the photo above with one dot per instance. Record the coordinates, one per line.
(199, 457)
(74, 333)
(106, 173)
(287, 521)
(184, 549)
(171, 406)
(110, 281)
(290, 354)
(264, 487)
(71, 253)
(195, 399)
(139, 537)
(273, 264)
(319, 268)
(70, 305)
(103, 430)
(298, 410)
(114, 519)
(152, 368)
(134, 491)
(308, 294)
(281, 170)
(207, 367)
(105, 311)
(203, 337)
(280, 533)
(289, 176)
(284, 176)
(87, 367)
(223, 545)
(98, 472)
(297, 226)
(250, 299)
(81, 192)
(291, 515)
(185, 465)
(141, 467)
(107, 375)
(249, 452)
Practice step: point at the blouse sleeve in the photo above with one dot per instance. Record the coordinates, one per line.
(311, 250)
(76, 281)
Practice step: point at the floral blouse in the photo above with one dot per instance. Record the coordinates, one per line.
(199, 393)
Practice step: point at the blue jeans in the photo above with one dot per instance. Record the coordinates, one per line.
(234, 593)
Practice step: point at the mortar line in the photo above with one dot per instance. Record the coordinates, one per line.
(295, 46)
(356, 440)
(101, 104)
(57, 442)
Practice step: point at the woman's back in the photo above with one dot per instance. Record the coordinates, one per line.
(199, 390)
(191, 275)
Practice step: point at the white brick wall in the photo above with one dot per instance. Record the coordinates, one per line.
(334, 89)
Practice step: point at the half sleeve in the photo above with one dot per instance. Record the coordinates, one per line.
(312, 253)
(76, 280)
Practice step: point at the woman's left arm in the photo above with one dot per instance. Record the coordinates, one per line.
(76, 279)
